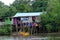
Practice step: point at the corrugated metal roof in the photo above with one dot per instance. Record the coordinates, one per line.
(27, 14)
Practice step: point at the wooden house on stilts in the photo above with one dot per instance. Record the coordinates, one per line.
(21, 20)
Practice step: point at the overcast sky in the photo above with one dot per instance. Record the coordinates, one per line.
(7, 2)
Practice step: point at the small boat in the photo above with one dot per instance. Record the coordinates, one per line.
(24, 34)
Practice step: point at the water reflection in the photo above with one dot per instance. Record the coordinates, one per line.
(28, 38)
(22, 38)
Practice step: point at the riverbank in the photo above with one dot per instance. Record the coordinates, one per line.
(41, 36)
(57, 34)
(38, 35)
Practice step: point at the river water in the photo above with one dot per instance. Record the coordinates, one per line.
(28, 38)
(23, 38)
(40, 37)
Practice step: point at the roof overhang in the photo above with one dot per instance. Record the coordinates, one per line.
(27, 14)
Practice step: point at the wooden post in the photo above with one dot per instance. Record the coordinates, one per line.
(16, 26)
(31, 31)
(16, 29)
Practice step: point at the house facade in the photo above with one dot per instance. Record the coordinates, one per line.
(26, 17)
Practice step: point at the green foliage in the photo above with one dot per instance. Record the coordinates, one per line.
(6, 11)
(48, 27)
(52, 16)
(11, 12)
(5, 30)
(40, 5)
(48, 20)
(3, 10)
(30, 6)
(22, 6)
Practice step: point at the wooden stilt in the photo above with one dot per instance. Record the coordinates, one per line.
(31, 30)
(16, 29)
